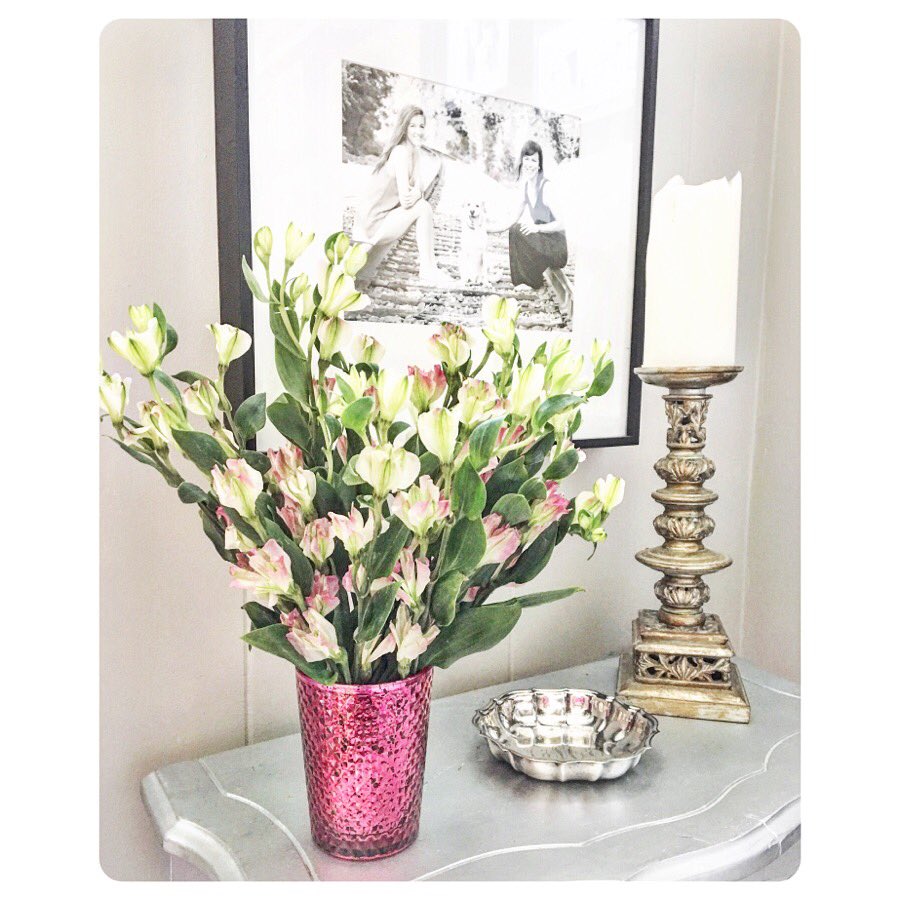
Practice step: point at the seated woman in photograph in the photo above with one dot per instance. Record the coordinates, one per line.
(402, 184)
(537, 238)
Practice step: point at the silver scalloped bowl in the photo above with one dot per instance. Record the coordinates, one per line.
(566, 735)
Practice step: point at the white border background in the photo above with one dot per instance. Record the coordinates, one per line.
(849, 335)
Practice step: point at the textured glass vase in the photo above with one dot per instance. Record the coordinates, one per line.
(364, 755)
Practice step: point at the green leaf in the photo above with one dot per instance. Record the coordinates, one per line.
(167, 382)
(280, 332)
(293, 371)
(261, 616)
(533, 559)
(216, 535)
(349, 475)
(466, 544)
(284, 413)
(468, 495)
(514, 508)
(201, 449)
(251, 416)
(356, 416)
(563, 466)
(374, 612)
(553, 406)
(327, 499)
(273, 639)
(190, 493)
(386, 549)
(397, 428)
(265, 507)
(428, 463)
(541, 597)
(257, 460)
(242, 525)
(252, 283)
(534, 489)
(301, 570)
(334, 428)
(189, 377)
(506, 479)
(171, 340)
(472, 631)
(139, 455)
(444, 596)
(482, 443)
(533, 458)
(602, 380)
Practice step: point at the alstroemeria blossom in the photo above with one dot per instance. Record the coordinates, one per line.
(262, 244)
(413, 575)
(593, 507)
(318, 540)
(323, 597)
(427, 386)
(476, 401)
(609, 491)
(300, 485)
(451, 346)
(237, 485)
(295, 243)
(563, 373)
(354, 259)
(411, 642)
(114, 396)
(142, 347)
(526, 390)
(231, 342)
(313, 636)
(502, 540)
(500, 316)
(420, 508)
(268, 571)
(387, 468)
(155, 426)
(339, 293)
(438, 430)
(545, 512)
(352, 531)
(202, 399)
(292, 515)
(334, 335)
(391, 394)
(287, 460)
(234, 539)
(366, 349)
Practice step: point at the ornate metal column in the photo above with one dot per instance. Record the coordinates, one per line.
(681, 659)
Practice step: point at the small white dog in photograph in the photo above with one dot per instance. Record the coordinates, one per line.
(473, 239)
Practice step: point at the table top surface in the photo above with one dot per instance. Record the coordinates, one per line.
(709, 800)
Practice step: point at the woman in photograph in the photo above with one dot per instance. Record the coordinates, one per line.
(537, 239)
(399, 196)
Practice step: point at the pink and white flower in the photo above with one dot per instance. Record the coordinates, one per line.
(387, 468)
(292, 516)
(477, 400)
(318, 541)
(413, 576)
(427, 386)
(287, 460)
(421, 507)
(323, 597)
(352, 531)
(300, 486)
(410, 641)
(545, 512)
(502, 540)
(234, 539)
(267, 571)
(451, 346)
(313, 636)
(114, 396)
(438, 430)
(237, 486)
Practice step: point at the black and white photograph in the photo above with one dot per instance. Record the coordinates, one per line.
(472, 159)
(457, 196)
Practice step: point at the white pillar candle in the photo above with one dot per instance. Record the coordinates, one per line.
(690, 312)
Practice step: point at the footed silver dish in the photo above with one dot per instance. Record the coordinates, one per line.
(566, 735)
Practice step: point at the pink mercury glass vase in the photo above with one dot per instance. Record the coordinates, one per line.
(364, 755)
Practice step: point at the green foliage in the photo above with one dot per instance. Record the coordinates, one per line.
(251, 416)
(356, 416)
(603, 380)
(563, 466)
(472, 631)
(469, 494)
(444, 597)
(466, 544)
(201, 449)
(190, 493)
(514, 508)
(273, 639)
(285, 414)
(374, 612)
(386, 549)
(260, 616)
(483, 442)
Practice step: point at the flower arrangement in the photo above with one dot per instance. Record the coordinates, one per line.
(375, 537)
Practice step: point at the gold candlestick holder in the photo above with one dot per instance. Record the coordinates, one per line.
(681, 663)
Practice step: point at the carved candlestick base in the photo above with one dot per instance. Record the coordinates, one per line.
(680, 663)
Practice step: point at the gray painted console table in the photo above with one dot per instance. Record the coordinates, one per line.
(710, 800)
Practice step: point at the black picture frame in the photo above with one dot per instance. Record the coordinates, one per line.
(235, 237)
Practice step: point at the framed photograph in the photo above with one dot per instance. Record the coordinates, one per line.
(506, 157)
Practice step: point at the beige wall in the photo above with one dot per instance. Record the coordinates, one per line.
(175, 680)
